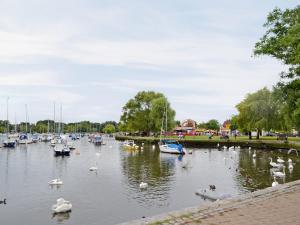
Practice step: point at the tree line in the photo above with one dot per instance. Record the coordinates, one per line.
(44, 126)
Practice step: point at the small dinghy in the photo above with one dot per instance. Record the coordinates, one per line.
(56, 182)
(211, 195)
(62, 206)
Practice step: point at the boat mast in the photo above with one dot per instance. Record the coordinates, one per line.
(15, 123)
(26, 118)
(54, 131)
(7, 123)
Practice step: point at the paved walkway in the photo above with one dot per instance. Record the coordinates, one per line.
(280, 205)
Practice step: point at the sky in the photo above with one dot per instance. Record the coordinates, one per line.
(92, 56)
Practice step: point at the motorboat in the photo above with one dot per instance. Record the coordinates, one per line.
(97, 140)
(24, 139)
(62, 206)
(171, 146)
(71, 145)
(56, 182)
(9, 142)
(35, 138)
(61, 150)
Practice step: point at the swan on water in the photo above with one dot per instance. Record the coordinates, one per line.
(274, 164)
(62, 206)
(280, 174)
(224, 147)
(290, 161)
(280, 160)
(291, 166)
(249, 148)
(238, 147)
(254, 154)
(153, 147)
(143, 185)
(56, 182)
(232, 147)
(218, 145)
(275, 183)
(93, 168)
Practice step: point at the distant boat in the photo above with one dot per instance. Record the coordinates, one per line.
(130, 145)
(24, 139)
(9, 142)
(97, 140)
(61, 150)
(35, 138)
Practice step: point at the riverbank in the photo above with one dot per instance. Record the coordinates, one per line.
(278, 205)
(204, 142)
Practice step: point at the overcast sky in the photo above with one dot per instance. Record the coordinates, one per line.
(92, 56)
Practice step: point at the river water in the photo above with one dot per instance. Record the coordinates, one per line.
(112, 195)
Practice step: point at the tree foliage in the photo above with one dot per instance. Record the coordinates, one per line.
(109, 129)
(282, 39)
(258, 111)
(212, 124)
(146, 112)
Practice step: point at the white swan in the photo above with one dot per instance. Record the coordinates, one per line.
(218, 145)
(280, 160)
(275, 183)
(290, 161)
(249, 148)
(153, 147)
(254, 154)
(238, 147)
(291, 166)
(55, 182)
(224, 147)
(274, 164)
(143, 185)
(62, 206)
(280, 174)
(231, 148)
(93, 168)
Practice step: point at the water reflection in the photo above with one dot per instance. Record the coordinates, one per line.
(151, 167)
(61, 217)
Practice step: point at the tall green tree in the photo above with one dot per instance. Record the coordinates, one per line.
(145, 113)
(109, 129)
(258, 111)
(213, 125)
(282, 40)
(234, 122)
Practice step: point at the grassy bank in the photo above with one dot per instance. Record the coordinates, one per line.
(243, 141)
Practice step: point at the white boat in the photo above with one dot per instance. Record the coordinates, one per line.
(71, 145)
(171, 146)
(25, 139)
(61, 150)
(62, 206)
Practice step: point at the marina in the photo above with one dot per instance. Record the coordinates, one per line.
(169, 182)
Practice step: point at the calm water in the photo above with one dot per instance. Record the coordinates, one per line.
(112, 195)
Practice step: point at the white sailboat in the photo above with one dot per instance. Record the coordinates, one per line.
(9, 142)
(167, 145)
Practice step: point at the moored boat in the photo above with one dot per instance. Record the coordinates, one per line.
(171, 146)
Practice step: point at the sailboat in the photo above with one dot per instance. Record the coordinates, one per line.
(9, 142)
(25, 138)
(61, 148)
(168, 145)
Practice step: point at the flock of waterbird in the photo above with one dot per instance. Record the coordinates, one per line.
(65, 206)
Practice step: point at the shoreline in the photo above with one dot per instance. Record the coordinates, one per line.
(215, 212)
(202, 143)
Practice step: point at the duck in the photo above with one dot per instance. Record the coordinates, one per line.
(280, 174)
(274, 183)
(143, 185)
(93, 168)
(254, 154)
(212, 187)
(280, 160)
(55, 182)
(274, 164)
(3, 201)
(61, 206)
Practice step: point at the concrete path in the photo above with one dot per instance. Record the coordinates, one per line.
(279, 205)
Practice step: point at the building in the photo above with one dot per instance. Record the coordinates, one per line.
(187, 126)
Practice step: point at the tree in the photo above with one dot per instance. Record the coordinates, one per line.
(145, 113)
(258, 111)
(213, 125)
(234, 122)
(281, 40)
(109, 129)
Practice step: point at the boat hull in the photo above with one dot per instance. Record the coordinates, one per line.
(167, 149)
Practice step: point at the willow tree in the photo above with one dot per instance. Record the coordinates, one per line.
(258, 111)
(145, 113)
